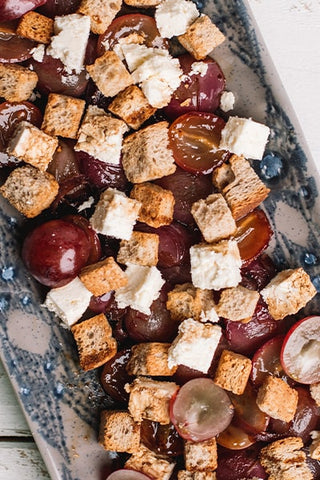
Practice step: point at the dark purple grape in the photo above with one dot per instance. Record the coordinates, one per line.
(11, 9)
(114, 376)
(239, 464)
(161, 439)
(53, 8)
(101, 174)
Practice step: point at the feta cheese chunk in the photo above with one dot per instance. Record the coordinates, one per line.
(38, 52)
(216, 265)
(143, 287)
(227, 101)
(173, 17)
(195, 345)
(68, 302)
(243, 136)
(69, 43)
(100, 135)
(157, 73)
(115, 214)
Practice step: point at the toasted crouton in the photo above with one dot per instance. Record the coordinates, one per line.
(314, 448)
(315, 392)
(62, 115)
(201, 37)
(150, 464)
(157, 204)
(101, 13)
(102, 277)
(146, 154)
(29, 190)
(185, 475)
(233, 372)
(36, 27)
(186, 301)
(141, 249)
(118, 431)
(16, 82)
(271, 396)
(201, 456)
(142, 3)
(150, 359)
(237, 304)
(109, 74)
(94, 341)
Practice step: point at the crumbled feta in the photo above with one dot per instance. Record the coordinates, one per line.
(227, 101)
(115, 214)
(69, 43)
(38, 52)
(69, 302)
(209, 316)
(173, 17)
(243, 136)
(195, 345)
(144, 285)
(199, 68)
(155, 70)
(215, 265)
(87, 204)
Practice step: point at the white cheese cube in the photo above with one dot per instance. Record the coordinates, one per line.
(69, 302)
(69, 43)
(195, 345)
(227, 101)
(243, 136)
(143, 287)
(173, 17)
(115, 214)
(215, 265)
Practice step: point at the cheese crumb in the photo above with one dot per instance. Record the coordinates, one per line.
(38, 53)
(227, 101)
(173, 17)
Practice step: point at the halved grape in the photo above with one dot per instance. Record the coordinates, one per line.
(125, 474)
(266, 361)
(201, 410)
(53, 8)
(11, 9)
(240, 464)
(235, 438)
(93, 238)
(161, 439)
(114, 376)
(247, 415)
(258, 273)
(15, 49)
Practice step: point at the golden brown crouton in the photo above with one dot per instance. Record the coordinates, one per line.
(150, 359)
(315, 392)
(233, 372)
(277, 399)
(152, 465)
(36, 27)
(119, 432)
(62, 115)
(185, 475)
(102, 277)
(141, 249)
(157, 204)
(142, 3)
(237, 304)
(16, 82)
(201, 456)
(186, 301)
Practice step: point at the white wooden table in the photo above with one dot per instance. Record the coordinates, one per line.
(291, 30)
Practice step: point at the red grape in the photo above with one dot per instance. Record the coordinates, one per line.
(14, 48)
(240, 464)
(247, 414)
(235, 438)
(114, 376)
(266, 361)
(53, 8)
(161, 439)
(11, 9)
(125, 474)
(258, 273)
(93, 238)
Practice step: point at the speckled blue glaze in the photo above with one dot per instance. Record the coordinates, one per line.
(61, 402)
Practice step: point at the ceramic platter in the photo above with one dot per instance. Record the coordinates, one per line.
(62, 403)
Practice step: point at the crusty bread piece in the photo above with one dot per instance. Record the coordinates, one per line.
(16, 82)
(109, 74)
(315, 392)
(233, 372)
(94, 341)
(237, 304)
(240, 186)
(152, 465)
(150, 399)
(157, 204)
(150, 359)
(62, 115)
(141, 249)
(36, 27)
(201, 456)
(132, 107)
(214, 218)
(102, 277)
(118, 431)
(314, 448)
(277, 399)
(142, 3)
(186, 301)
(201, 37)
(185, 475)
(146, 154)
(101, 13)
(29, 190)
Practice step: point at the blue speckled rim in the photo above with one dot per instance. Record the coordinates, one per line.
(62, 403)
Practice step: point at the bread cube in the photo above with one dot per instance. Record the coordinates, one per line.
(31, 145)
(115, 214)
(173, 17)
(185, 475)
(146, 154)
(118, 431)
(314, 448)
(69, 302)
(109, 74)
(16, 82)
(240, 186)
(233, 372)
(36, 27)
(237, 304)
(142, 3)
(201, 37)
(62, 115)
(141, 249)
(186, 301)
(243, 136)
(194, 338)
(150, 359)
(150, 464)
(288, 292)
(214, 218)
(277, 399)
(100, 135)
(132, 106)
(94, 341)
(201, 456)
(150, 399)
(157, 204)
(102, 277)
(215, 265)
(101, 13)
(315, 393)
(29, 190)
